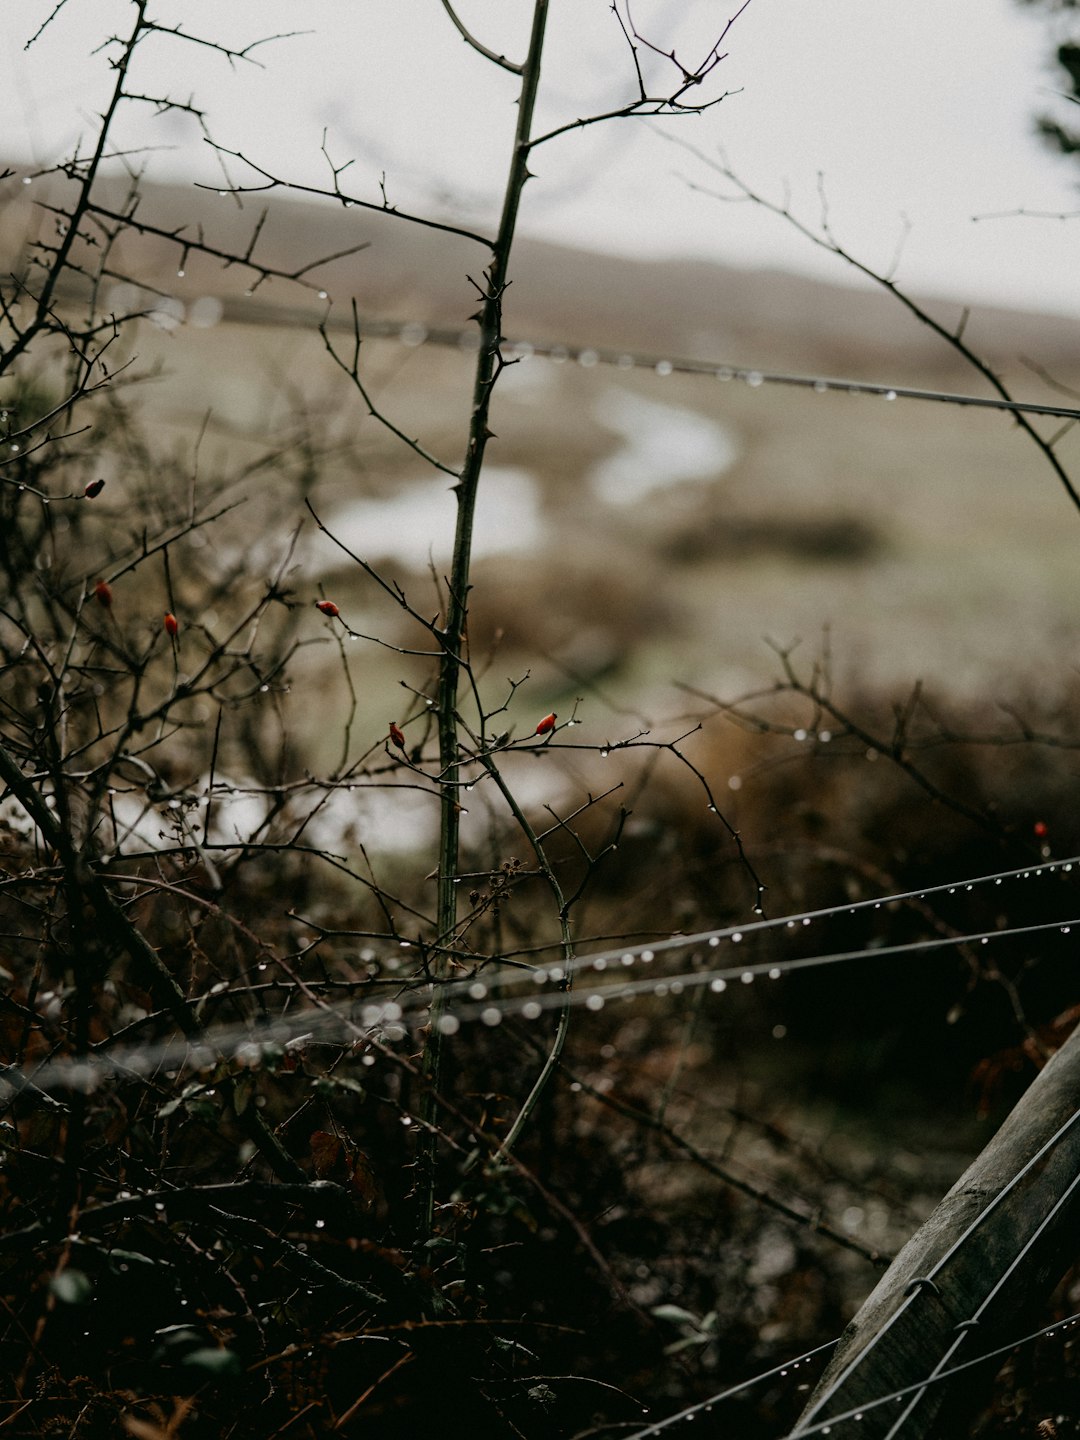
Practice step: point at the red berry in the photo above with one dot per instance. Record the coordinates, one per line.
(397, 736)
(327, 607)
(547, 724)
(1041, 829)
(103, 594)
(94, 488)
(172, 625)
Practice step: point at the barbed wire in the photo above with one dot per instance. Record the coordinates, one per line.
(824, 1427)
(413, 334)
(483, 1000)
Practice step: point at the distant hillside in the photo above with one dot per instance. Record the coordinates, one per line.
(690, 308)
(937, 543)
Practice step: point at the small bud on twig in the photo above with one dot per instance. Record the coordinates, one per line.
(103, 594)
(172, 625)
(327, 607)
(547, 724)
(93, 489)
(397, 735)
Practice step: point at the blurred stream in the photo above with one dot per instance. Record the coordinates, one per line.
(659, 445)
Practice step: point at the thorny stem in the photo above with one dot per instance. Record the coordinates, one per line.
(63, 251)
(554, 1055)
(488, 365)
(116, 929)
(826, 240)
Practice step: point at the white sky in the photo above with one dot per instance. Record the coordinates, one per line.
(920, 109)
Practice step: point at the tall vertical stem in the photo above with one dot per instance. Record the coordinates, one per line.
(453, 634)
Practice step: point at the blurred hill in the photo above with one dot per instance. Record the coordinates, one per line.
(935, 542)
(690, 308)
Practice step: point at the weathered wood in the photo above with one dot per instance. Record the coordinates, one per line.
(990, 1254)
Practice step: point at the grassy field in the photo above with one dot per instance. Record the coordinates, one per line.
(935, 542)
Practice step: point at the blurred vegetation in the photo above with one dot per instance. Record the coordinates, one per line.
(700, 1193)
(221, 768)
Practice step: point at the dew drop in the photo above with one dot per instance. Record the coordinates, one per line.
(725, 373)
(532, 1010)
(734, 782)
(714, 941)
(477, 990)
(664, 367)
(754, 378)
(587, 359)
(820, 387)
(747, 977)
(604, 754)
(775, 973)
(647, 956)
(448, 1025)
(718, 986)
(320, 1224)
(594, 1002)
(27, 179)
(890, 394)
(799, 735)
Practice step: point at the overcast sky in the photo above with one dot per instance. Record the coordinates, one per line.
(921, 110)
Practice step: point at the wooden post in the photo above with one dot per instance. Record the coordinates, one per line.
(969, 1279)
